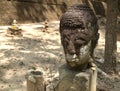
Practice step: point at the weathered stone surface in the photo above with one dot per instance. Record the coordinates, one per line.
(71, 80)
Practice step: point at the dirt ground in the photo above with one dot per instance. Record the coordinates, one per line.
(42, 51)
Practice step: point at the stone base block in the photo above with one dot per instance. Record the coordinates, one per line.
(71, 80)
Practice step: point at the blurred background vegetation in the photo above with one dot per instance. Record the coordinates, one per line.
(25, 11)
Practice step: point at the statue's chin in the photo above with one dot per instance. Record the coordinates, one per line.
(83, 58)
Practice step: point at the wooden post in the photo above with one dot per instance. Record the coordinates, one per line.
(35, 81)
(93, 78)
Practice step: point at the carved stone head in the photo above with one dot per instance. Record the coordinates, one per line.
(76, 44)
(77, 27)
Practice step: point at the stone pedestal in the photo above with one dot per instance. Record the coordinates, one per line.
(14, 32)
(71, 80)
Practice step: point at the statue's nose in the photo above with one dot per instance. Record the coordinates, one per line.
(72, 52)
(71, 48)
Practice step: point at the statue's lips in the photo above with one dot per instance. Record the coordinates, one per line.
(72, 58)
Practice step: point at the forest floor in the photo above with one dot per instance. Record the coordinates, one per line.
(42, 51)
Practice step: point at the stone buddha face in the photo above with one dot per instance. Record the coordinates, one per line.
(76, 44)
(79, 34)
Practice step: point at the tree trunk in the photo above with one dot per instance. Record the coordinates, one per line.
(110, 37)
